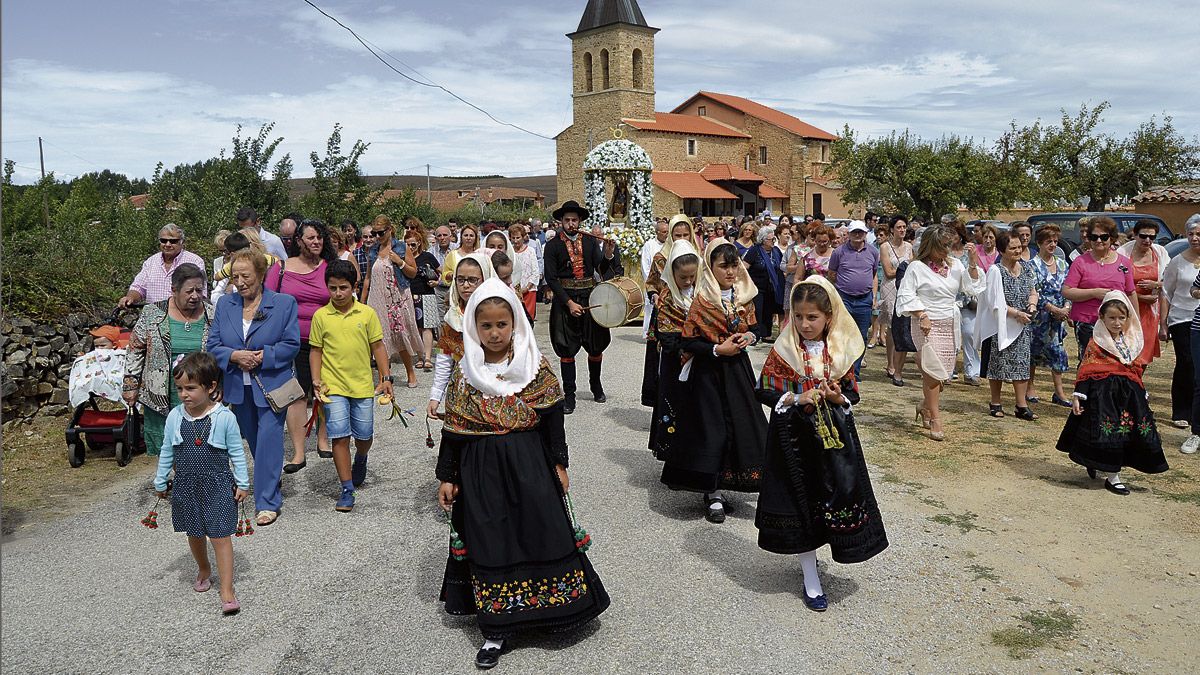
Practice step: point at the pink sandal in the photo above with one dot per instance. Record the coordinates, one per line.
(202, 585)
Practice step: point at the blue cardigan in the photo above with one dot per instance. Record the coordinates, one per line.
(275, 330)
(224, 435)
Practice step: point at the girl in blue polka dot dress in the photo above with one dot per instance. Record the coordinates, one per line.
(200, 442)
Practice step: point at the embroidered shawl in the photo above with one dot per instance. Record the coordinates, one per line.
(469, 413)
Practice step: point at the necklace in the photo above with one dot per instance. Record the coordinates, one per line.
(187, 323)
(826, 364)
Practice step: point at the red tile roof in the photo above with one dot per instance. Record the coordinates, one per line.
(762, 112)
(767, 192)
(730, 172)
(685, 124)
(450, 200)
(690, 185)
(1185, 194)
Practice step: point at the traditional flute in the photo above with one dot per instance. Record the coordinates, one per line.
(601, 238)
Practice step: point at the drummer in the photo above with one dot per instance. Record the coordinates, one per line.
(573, 261)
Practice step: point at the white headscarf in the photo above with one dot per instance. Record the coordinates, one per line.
(842, 338)
(673, 250)
(1132, 331)
(526, 359)
(454, 315)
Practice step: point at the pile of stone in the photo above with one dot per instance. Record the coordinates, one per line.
(37, 363)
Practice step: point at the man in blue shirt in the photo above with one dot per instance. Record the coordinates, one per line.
(852, 269)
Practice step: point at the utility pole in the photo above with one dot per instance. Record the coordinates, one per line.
(428, 186)
(45, 197)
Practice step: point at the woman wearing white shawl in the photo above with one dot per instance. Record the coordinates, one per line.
(682, 264)
(450, 339)
(1111, 426)
(515, 561)
(1006, 312)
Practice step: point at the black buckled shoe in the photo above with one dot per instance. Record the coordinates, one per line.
(1116, 488)
(714, 515)
(488, 658)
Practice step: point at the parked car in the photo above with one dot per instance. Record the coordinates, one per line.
(999, 225)
(1176, 247)
(1069, 222)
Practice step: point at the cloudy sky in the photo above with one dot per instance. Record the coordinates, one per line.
(124, 85)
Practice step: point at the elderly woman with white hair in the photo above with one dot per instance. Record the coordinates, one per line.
(763, 261)
(1182, 273)
(153, 283)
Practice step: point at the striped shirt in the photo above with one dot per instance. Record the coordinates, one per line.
(1196, 316)
(153, 282)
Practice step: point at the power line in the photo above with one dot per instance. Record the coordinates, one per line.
(88, 161)
(430, 84)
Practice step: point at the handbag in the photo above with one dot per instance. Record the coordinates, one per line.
(283, 396)
(902, 325)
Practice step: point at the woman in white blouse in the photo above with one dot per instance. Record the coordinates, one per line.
(927, 295)
(1177, 285)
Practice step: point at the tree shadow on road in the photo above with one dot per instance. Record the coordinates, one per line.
(757, 571)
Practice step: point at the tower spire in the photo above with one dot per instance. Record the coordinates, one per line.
(600, 13)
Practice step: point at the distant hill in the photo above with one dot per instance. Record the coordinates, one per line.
(547, 185)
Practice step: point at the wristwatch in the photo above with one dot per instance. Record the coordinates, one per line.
(388, 378)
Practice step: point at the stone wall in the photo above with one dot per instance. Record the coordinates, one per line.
(37, 363)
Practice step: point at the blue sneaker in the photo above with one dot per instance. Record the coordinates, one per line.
(358, 472)
(345, 503)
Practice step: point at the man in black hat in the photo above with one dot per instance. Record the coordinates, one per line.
(572, 261)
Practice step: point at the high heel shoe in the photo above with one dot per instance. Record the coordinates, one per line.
(922, 416)
(935, 435)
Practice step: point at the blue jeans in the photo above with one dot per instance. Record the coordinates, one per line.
(263, 430)
(347, 417)
(859, 307)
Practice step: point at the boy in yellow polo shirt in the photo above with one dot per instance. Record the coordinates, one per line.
(344, 336)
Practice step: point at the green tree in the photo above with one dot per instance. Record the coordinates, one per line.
(1060, 164)
(907, 174)
(339, 190)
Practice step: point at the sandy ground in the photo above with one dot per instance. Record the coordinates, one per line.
(1005, 557)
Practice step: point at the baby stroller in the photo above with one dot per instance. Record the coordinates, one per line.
(95, 386)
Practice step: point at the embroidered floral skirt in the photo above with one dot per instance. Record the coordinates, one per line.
(812, 495)
(522, 568)
(1115, 431)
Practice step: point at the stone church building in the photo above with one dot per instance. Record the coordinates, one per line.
(714, 154)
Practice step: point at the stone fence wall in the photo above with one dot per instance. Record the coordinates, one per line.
(37, 363)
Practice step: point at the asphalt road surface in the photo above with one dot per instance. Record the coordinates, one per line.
(326, 592)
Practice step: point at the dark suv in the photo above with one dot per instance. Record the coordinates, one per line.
(1069, 222)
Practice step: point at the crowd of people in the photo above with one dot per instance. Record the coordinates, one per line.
(298, 332)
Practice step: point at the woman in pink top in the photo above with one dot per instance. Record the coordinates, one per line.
(985, 235)
(303, 277)
(1093, 275)
(817, 260)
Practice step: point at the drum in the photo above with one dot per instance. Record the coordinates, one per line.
(616, 302)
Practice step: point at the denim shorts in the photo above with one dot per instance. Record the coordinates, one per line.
(350, 417)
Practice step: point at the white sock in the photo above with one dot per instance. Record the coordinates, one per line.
(493, 644)
(1115, 478)
(812, 582)
(715, 506)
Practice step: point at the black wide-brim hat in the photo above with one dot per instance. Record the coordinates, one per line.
(572, 205)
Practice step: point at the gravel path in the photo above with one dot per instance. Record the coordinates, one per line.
(329, 592)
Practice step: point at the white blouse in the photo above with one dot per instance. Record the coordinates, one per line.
(1177, 284)
(924, 290)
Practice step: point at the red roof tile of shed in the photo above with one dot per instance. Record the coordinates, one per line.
(762, 112)
(685, 124)
(690, 185)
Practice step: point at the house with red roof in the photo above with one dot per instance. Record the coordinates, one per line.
(714, 154)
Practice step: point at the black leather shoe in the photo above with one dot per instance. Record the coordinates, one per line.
(293, 468)
(717, 515)
(487, 658)
(325, 454)
(1116, 488)
(1092, 473)
(599, 397)
(569, 405)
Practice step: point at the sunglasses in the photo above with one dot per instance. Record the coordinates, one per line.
(1098, 237)
(379, 233)
(1146, 235)
(164, 240)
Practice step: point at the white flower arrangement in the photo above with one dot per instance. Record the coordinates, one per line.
(625, 157)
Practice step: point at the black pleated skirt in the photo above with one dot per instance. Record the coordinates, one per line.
(1116, 429)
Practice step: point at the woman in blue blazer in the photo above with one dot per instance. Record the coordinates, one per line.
(256, 332)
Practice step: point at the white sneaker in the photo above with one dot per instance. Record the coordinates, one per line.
(1191, 445)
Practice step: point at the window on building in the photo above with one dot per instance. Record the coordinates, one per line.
(747, 167)
(604, 68)
(587, 71)
(637, 69)
(702, 111)
(824, 152)
(762, 154)
(691, 147)
(817, 203)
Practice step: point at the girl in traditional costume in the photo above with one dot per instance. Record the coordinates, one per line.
(680, 229)
(517, 558)
(1111, 426)
(815, 487)
(472, 269)
(720, 442)
(683, 263)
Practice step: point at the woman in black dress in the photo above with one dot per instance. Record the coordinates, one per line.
(815, 487)
(722, 434)
(679, 275)
(515, 563)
